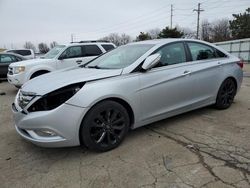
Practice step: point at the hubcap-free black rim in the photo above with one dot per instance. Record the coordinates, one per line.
(228, 92)
(107, 127)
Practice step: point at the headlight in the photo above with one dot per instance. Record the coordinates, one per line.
(24, 98)
(56, 98)
(18, 69)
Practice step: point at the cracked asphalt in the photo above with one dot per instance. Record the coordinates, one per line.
(204, 148)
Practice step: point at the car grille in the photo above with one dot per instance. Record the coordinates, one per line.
(24, 98)
(10, 71)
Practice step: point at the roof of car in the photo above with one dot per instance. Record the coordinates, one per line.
(162, 41)
(89, 43)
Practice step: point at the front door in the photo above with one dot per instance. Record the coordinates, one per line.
(168, 86)
(72, 56)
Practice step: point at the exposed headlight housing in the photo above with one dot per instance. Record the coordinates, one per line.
(54, 99)
(24, 98)
(18, 69)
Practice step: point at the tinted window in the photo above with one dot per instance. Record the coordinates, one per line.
(72, 52)
(7, 59)
(92, 50)
(18, 58)
(21, 52)
(172, 54)
(220, 54)
(108, 47)
(201, 51)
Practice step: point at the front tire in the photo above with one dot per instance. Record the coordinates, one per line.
(105, 126)
(226, 94)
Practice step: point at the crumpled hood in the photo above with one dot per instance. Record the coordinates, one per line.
(30, 62)
(55, 80)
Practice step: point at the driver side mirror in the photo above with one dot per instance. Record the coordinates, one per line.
(151, 61)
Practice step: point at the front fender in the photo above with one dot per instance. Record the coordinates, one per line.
(39, 68)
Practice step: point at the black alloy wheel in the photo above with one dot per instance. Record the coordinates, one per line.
(226, 94)
(105, 126)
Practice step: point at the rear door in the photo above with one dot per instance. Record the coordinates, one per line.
(5, 60)
(168, 86)
(206, 71)
(90, 51)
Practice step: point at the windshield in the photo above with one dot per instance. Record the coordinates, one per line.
(120, 57)
(53, 52)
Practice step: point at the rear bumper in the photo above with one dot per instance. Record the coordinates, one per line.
(64, 122)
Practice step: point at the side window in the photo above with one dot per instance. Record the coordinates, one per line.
(7, 59)
(172, 54)
(220, 54)
(92, 50)
(21, 52)
(72, 52)
(18, 58)
(108, 47)
(201, 51)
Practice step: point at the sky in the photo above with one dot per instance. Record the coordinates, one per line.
(56, 20)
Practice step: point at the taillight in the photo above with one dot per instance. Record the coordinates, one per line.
(241, 64)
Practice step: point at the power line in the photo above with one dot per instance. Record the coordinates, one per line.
(199, 10)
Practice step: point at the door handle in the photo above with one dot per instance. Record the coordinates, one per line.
(78, 61)
(186, 72)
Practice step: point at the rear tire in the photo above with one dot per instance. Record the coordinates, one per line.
(226, 94)
(105, 126)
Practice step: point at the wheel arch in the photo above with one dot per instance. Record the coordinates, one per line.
(234, 80)
(124, 103)
(39, 71)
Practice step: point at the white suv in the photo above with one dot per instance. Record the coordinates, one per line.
(60, 57)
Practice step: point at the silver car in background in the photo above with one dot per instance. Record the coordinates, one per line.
(96, 104)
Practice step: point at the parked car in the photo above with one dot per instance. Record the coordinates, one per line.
(60, 57)
(126, 88)
(5, 60)
(27, 53)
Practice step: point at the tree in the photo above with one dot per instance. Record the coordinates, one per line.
(53, 44)
(143, 36)
(43, 48)
(220, 31)
(117, 39)
(125, 39)
(29, 45)
(187, 32)
(240, 25)
(205, 31)
(153, 33)
(170, 33)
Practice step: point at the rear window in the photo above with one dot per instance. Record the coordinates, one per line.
(21, 52)
(91, 50)
(108, 47)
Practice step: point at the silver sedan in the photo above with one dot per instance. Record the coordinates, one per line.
(96, 104)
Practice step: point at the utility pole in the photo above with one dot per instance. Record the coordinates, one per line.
(72, 38)
(171, 18)
(199, 10)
